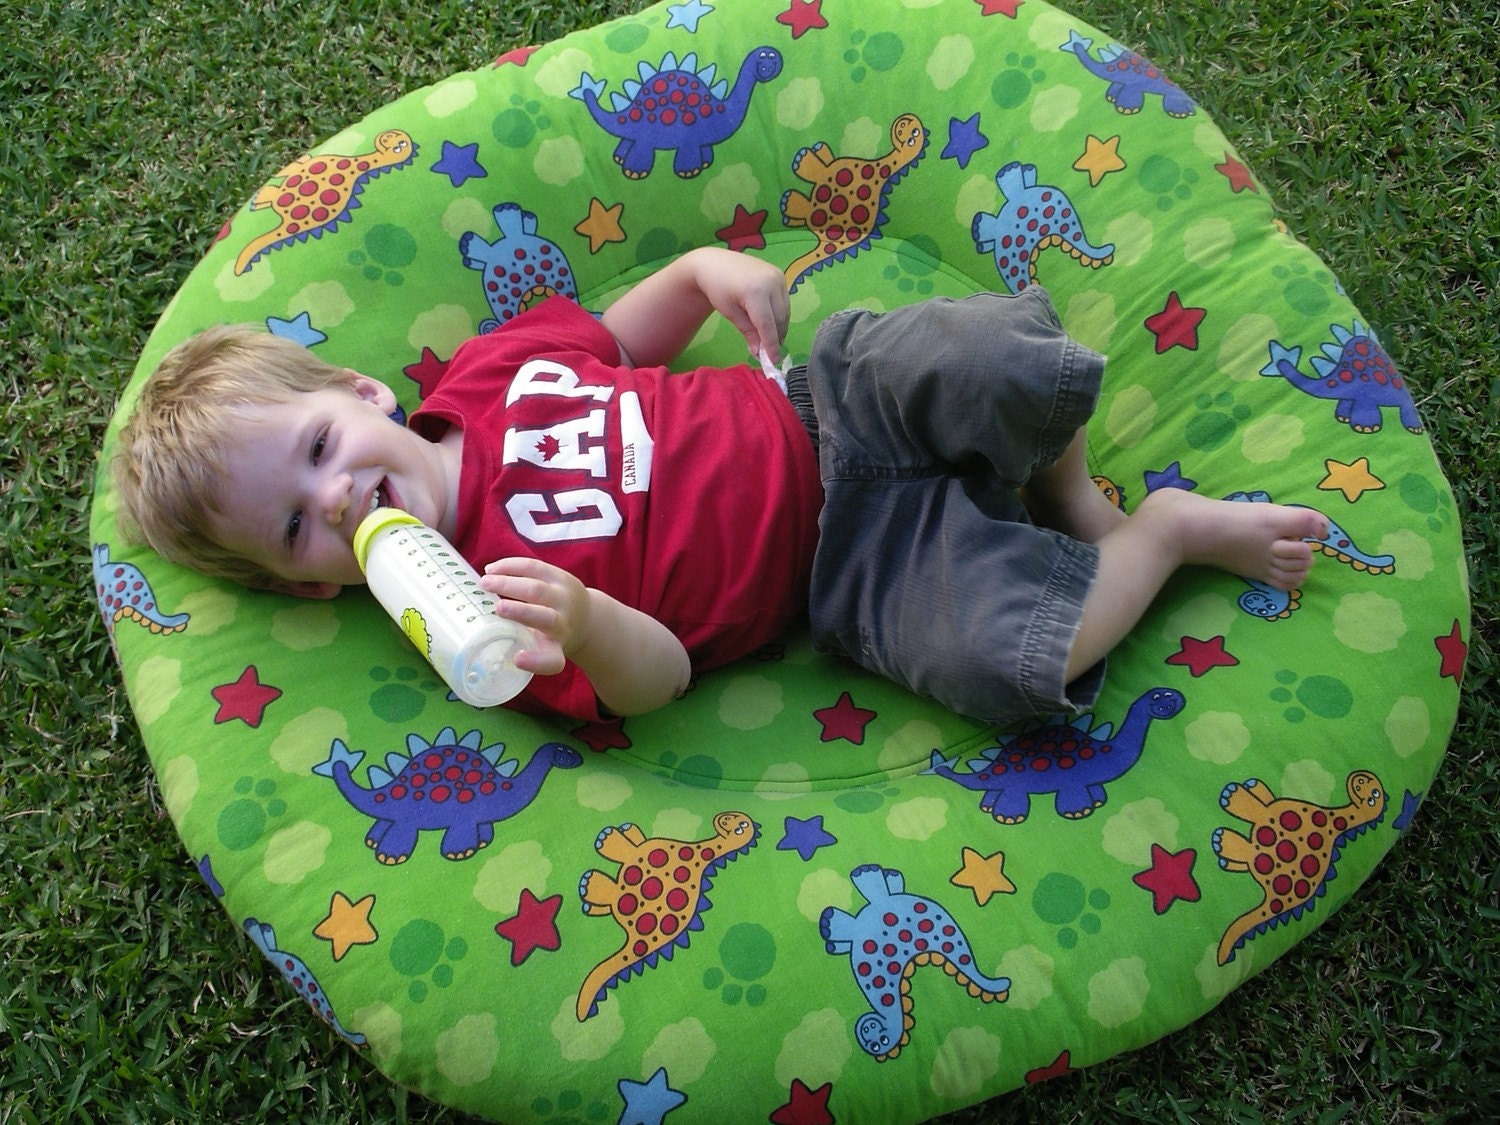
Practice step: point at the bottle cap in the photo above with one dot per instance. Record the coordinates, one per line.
(374, 523)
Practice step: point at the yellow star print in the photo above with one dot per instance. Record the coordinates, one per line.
(348, 923)
(602, 225)
(984, 875)
(1099, 158)
(1353, 480)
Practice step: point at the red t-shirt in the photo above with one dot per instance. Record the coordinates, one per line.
(692, 497)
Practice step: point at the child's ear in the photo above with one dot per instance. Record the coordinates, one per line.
(321, 591)
(373, 390)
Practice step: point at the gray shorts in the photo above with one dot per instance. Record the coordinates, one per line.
(928, 569)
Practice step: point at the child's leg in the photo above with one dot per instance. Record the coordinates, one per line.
(1064, 497)
(1172, 528)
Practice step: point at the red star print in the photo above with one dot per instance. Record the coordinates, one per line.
(426, 372)
(806, 1107)
(745, 233)
(1176, 325)
(1199, 657)
(600, 737)
(519, 56)
(1055, 1069)
(533, 927)
(803, 16)
(844, 720)
(246, 699)
(1237, 175)
(999, 7)
(1453, 651)
(1169, 878)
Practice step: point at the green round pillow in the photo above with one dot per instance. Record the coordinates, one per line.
(801, 893)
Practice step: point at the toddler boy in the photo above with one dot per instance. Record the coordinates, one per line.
(920, 490)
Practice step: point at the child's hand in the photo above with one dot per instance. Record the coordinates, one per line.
(749, 293)
(659, 316)
(547, 599)
(632, 660)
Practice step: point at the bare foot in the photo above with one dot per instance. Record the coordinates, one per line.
(1261, 541)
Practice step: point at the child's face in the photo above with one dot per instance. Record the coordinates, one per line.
(304, 472)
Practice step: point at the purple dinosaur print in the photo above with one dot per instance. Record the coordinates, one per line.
(1131, 77)
(889, 939)
(1063, 758)
(1355, 373)
(450, 784)
(676, 107)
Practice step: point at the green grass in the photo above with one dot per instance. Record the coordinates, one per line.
(129, 130)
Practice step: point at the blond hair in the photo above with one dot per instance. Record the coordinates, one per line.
(169, 469)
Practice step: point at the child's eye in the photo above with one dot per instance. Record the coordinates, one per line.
(293, 528)
(318, 443)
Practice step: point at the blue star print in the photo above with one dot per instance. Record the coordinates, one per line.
(687, 15)
(964, 140)
(805, 837)
(460, 163)
(299, 329)
(646, 1103)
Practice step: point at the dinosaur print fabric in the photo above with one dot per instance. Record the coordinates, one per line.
(800, 894)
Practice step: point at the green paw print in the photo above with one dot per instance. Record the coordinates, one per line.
(1013, 85)
(517, 126)
(1061, 900)
(1309, 292)
(866, 799)
(243, 821)
(1214, 421)
(1424, 497)
(879, 53)
(402, 695)
(388, 250)
(702, 771)
(1169, 181)
(911, 274)
(422, 952)
(568, 1106)
(1327, 697)
(747, 953)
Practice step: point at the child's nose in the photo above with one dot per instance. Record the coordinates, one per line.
(338, 492)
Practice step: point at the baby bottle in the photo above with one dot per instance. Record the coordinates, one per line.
(434, 595)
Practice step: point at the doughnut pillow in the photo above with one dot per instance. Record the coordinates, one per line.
(801, 894)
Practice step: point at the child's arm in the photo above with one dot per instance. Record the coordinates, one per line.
(658, 317)
(634, 661)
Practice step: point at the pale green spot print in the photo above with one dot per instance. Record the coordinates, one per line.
(295, 852)
(465, 1054)
(1030, 972)
(684, 1049)
(1117, 994)
(559, 161)
(1369, 622)
(1220, 737)
(157, 683)
(1408, 726)
(950, 61)
(1131, 416)
(967, 1058)
(917, 819)
(750, 702)
(1130, 831)
(1271, 439)
(449, 97)
(304, 741)
(179, 785)
(816, 1050)
(1309, 780)
(590, 1040)
(799, 103)
(303, 628)
(520, 866)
